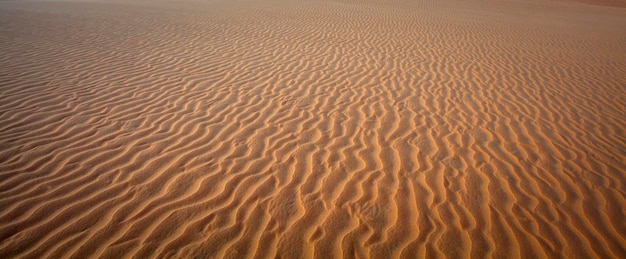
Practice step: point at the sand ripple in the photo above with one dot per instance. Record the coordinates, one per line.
(312, 129)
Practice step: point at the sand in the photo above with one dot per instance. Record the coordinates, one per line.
(313, 128)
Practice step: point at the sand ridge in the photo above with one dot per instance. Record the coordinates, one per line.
(354, 129)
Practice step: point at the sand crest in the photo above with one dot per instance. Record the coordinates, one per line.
(301, 129)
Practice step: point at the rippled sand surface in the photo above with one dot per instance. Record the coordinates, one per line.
(313, 128)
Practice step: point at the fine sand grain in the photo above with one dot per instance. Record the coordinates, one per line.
(313, 128)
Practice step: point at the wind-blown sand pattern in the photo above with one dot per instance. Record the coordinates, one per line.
(319, 129)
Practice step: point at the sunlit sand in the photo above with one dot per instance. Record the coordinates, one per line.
(313, 129)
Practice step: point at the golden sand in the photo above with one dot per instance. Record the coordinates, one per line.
(313, 128)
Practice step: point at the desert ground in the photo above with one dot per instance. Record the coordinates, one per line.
(313, 129)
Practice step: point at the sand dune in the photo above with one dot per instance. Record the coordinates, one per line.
(325, 129)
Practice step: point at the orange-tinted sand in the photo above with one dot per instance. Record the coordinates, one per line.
(313, 128)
